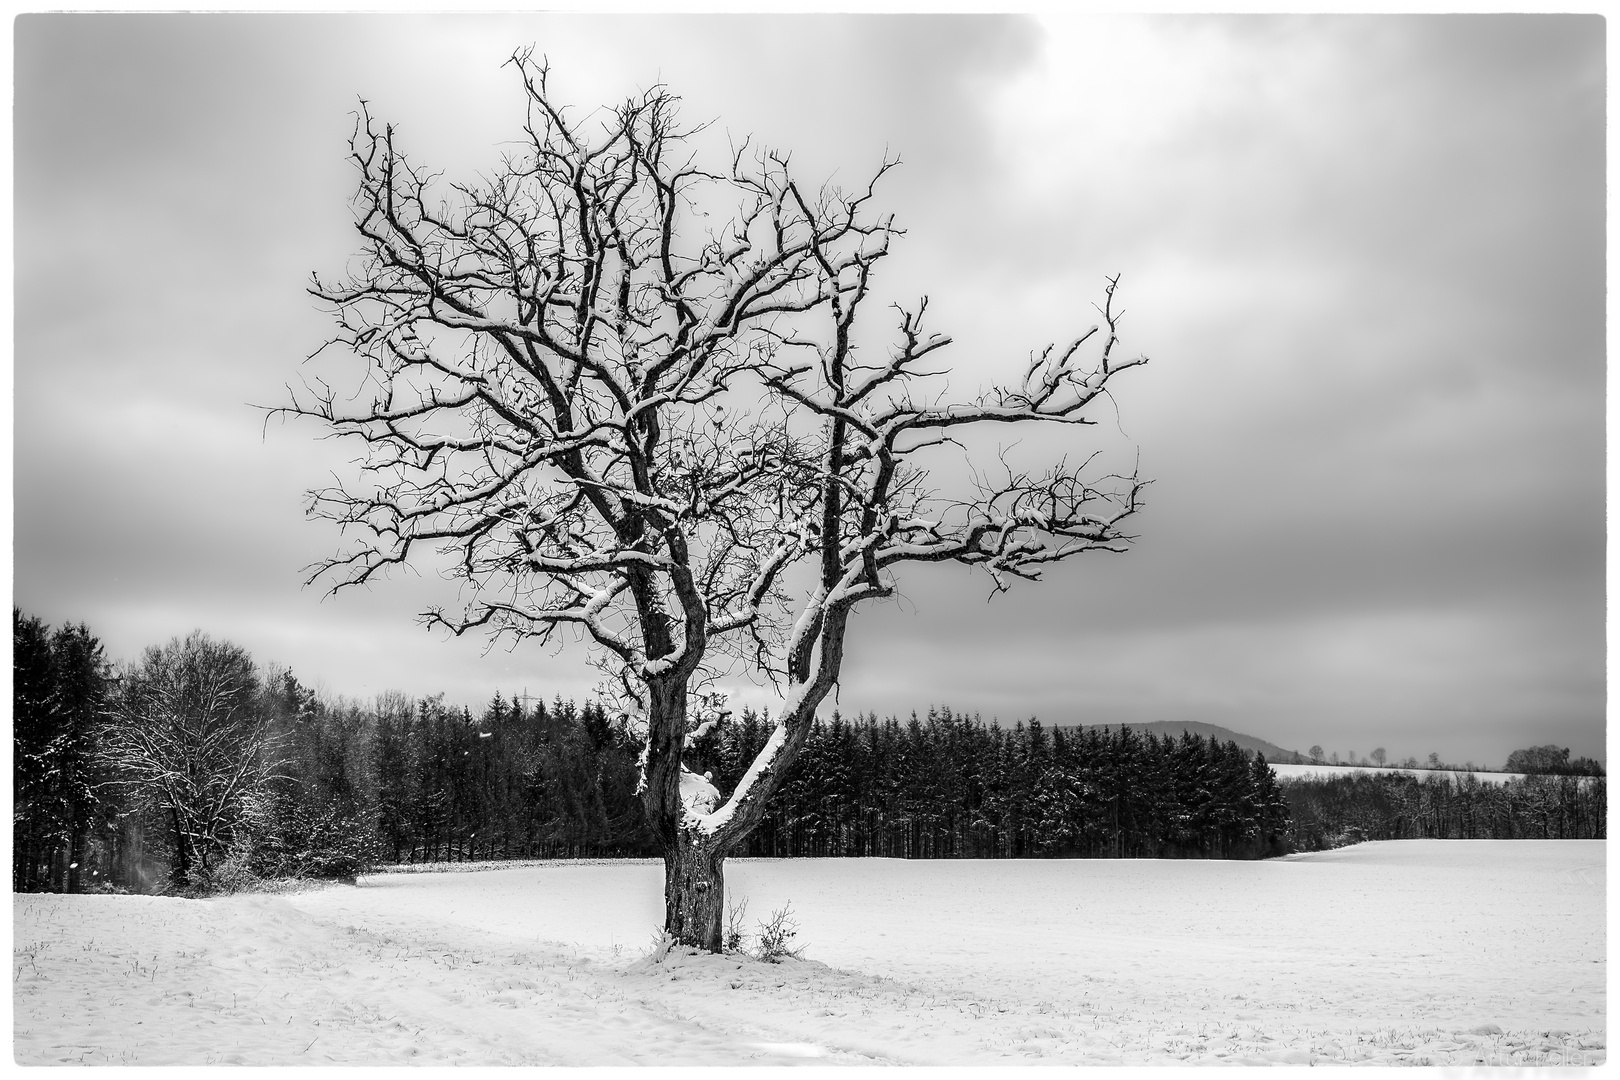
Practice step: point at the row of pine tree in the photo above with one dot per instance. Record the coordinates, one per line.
(344, 785)
(951, 786)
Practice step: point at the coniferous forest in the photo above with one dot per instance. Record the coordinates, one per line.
(194, 770)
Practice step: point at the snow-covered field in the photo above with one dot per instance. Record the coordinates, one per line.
(1443, 952)
(1293, 772)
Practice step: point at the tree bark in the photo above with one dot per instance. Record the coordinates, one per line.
(694, 891)
(694, 875)
(180, 873)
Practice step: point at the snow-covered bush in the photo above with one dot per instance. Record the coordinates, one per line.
(231, 874)
(776, 936)
(283, 837)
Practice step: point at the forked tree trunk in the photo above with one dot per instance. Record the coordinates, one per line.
(694, 891)
(694, 860)
(694, 881)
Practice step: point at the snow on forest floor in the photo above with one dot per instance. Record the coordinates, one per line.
(1407, 952)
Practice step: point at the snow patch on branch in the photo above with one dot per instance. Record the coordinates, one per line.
(710, 821)
(698, 796)
(652, 669)
(636, 725)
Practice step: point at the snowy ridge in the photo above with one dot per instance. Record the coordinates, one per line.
(1173, 729)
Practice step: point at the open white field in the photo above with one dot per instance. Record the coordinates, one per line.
(1442, 952)
(1294, 772)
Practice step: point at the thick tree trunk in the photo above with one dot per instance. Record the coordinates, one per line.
(694, 877)
(694, 881)
(694, 891)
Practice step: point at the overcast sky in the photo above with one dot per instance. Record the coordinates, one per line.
(1365, 256)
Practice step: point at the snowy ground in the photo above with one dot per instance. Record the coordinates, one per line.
(1444, 952)
(1294, 772)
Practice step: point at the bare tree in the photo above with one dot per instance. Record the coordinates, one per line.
(611, 418)
(186, 729)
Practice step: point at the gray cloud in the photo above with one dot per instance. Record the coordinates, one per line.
(1366, 255)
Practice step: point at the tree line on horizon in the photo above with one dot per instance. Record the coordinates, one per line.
(1333, 811)
(194, 770)
(1548, 760)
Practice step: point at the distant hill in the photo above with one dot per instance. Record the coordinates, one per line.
(1173, 728)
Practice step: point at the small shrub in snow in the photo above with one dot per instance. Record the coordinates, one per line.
(231, 874)
(732, 942)
(662, 943)
(776, 936)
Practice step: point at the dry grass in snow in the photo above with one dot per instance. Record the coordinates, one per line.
(1409, 952)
